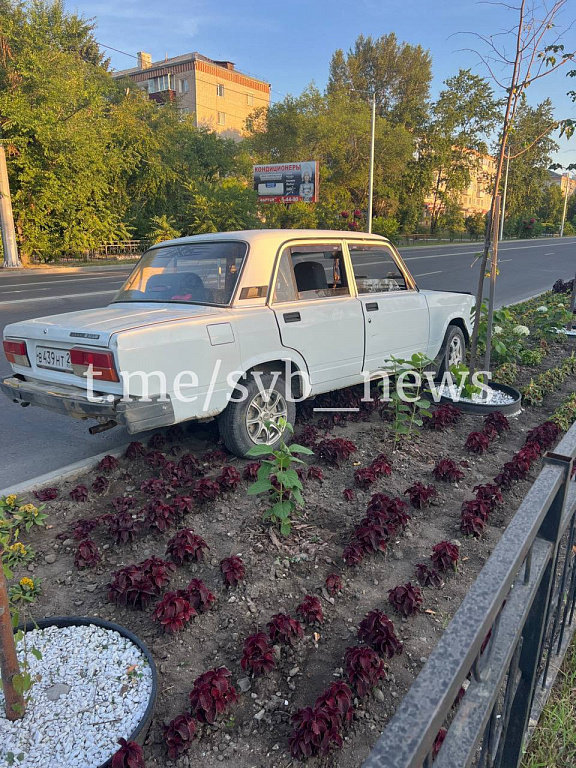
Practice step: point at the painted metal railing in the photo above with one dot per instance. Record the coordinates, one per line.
(525, 597)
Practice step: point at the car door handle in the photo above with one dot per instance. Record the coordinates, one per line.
(372, 306)
(292, 317)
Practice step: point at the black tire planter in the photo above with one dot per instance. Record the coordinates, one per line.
(140, 732)
(482, 409)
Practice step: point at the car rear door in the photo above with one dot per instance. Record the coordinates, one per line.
(317, 314)
(395, 314)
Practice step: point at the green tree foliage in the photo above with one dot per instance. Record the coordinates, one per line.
(551, 205)
(475, 225)
(162, 229)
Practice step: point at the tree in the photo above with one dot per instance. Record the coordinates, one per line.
(475, 224)
(398, 73)
(551, 204)
(162, 229)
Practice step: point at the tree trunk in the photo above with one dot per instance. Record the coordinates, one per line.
(15, 704)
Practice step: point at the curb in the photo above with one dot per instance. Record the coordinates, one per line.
(69, 472)
(67, 270)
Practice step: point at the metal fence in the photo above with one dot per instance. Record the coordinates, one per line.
(525, 596)
(117, 250)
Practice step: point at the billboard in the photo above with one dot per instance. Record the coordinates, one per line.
(287, 182)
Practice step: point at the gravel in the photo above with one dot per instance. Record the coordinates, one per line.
(495, 396)
(92, 687)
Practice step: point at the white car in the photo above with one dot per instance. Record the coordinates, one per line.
(235, 325)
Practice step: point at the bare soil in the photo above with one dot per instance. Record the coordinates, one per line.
(279, 572)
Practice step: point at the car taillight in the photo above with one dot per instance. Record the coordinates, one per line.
(102, 362)
(16, 352)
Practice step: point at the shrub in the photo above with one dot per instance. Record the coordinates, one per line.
(406, 598)
(200, 596)
(364, 669)
(445, 556)
(87, 555)
(448, 471)
(377, 631)
(333, 584)
(233, 571)
(284, 629)
(174, 611)
(258, 655)
(420, 495)
(129, 755)
(212, 694)
(310, 610)
(179, 734)
(186, 546)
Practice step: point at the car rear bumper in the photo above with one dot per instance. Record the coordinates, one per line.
(136, 415)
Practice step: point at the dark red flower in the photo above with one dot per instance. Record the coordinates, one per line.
(129, 755)
(406, 598)
(233, 570)
(364, 669)
(377, 631)
(333, 584)
(448, 471)
(420, 495)
(179, 734)
(186, 546)
(174, 611)
(46, 494)
(212, 695)
(258, 655)
(87, 555)
(200, 596)
(445, 556)
(284, 629)
(310, 610)
(428, 577)
(79, 493)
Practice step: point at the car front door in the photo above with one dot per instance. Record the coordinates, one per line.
(395, 313)
(316, 313)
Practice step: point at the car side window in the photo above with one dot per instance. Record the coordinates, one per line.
(375, 269)
(311, 272)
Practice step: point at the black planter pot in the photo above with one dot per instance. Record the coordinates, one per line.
(481, 409)
(139, 733)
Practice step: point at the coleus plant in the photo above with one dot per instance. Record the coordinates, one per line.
(364, 477)
(545, 435)
(315, 733)
(182, 505)
(258, 655)
(100, 484)
(333, 584)
(135, 451)
(174, 611)
(308, 436)
(353, 554)
(448, 471)
(489, 493)
(155, 459)
(421, 495)
(157, 441)
(189, 466)
(251, 470)
(108, 464)
(498, 421)
(377, 631)
(477, 508)
(406, 598)
(310, 610)
(200, 596)
(284, 629)
(232, 570)
(442, 417)
(477, 442)
(160, 516)
(445, 556)
(381, 465)
(428, 577)
(472, 525)
(79, 493)
(186, 546)
(205, 490)
(123, 503)
(372, 537)
(336, 450)
(87, 555)
(123, 527)
(338, 697)
(136, 586)
(348, 494)
(153, 486)
(82, 528)
(229, 478)
(215, 457)
(212, 695)
(179, 734)
(46, 494)
(364, 669)
(175, 433)
(315, 473)
(129, 755)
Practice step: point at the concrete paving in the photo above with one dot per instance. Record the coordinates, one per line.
(36, 441)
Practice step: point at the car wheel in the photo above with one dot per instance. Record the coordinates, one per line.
(257, 418)
(453, 350)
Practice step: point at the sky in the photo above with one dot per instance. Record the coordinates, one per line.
(289, 44)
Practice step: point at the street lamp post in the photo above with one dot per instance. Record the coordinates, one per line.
(502, 212)
(371, 173)
(565, 204)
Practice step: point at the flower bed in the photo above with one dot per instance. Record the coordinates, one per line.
(262, 640)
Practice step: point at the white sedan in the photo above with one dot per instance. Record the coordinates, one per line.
(235, 325)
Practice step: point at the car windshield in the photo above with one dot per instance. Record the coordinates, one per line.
(190, 273)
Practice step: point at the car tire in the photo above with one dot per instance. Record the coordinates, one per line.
(453, 350)
(241, 423)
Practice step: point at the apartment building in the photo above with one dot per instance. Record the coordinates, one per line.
(217, 95)
(477, 197)
(563, 180)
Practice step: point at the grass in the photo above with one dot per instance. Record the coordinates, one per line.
(553, 743)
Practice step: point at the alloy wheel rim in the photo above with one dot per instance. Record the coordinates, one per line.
(455, 353)
(263, 416)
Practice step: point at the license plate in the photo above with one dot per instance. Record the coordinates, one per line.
(51, 357)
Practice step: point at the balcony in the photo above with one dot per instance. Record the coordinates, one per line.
(161, 97)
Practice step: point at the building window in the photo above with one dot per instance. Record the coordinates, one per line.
(250, 99)
(183, 86)
(159, 84)
(221, 118)
(220, 90)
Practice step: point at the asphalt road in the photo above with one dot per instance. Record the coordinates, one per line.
(36, 441)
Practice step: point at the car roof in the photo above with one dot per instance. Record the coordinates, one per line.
(277, 236)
